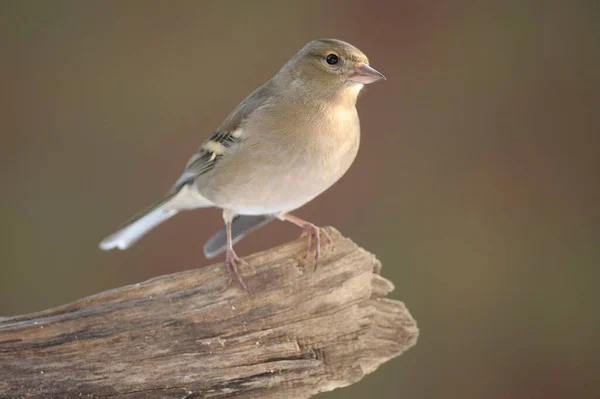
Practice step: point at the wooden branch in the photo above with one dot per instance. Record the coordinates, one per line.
(189, 335)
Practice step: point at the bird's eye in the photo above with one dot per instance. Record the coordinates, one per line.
(332, 59)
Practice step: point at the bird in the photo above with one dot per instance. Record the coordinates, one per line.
(281, 147)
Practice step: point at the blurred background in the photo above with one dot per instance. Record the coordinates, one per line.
(477, 184)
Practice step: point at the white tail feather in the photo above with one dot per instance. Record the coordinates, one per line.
(129, 234)
(186, 198)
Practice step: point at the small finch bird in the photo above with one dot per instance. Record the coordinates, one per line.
(286, 143)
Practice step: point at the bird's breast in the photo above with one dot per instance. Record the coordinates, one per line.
(287, 165)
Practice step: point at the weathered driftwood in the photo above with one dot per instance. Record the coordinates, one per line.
(189, 335)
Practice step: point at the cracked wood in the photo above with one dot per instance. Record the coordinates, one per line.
(188, 335)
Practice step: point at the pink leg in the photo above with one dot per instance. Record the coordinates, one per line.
(313, 235)
(231, 258)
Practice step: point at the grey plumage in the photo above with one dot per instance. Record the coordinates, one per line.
(241, 226)
(139, 225)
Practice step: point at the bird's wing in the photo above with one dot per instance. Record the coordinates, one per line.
(225, 137)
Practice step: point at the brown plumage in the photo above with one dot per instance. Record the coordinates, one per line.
(286, 143)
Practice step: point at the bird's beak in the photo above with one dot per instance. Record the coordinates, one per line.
(364, 74)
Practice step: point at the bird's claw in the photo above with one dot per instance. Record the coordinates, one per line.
(231, 264)
(313, 239)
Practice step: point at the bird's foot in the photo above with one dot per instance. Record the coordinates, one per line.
(231, 264)
(313, 240)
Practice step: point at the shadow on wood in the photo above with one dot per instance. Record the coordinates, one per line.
(189, 335)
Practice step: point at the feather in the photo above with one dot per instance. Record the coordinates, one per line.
(240, 227)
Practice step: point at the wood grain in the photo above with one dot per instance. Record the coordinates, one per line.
(189, 335)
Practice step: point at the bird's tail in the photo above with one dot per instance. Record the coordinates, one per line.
(241, 225)
(138, 226)
(152, 216)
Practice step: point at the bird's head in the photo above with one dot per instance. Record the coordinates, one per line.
(332, 65)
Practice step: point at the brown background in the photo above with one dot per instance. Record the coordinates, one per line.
(477, 183)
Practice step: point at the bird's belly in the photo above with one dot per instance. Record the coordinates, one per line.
(275, 197)
(267, 193)
(286, 182)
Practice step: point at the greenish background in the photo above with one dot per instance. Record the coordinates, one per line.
(477, 183)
